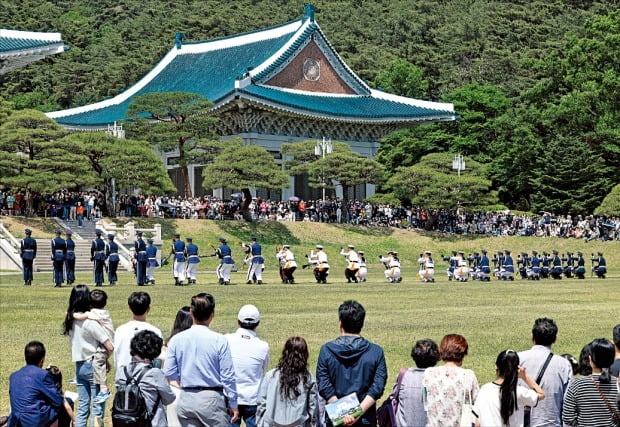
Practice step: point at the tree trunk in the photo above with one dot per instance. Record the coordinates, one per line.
(245, 205)
(187, 190)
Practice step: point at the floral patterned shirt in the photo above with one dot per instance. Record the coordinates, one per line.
(446, 388)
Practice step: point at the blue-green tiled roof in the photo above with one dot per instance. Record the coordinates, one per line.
(349, 106)
(8, 44)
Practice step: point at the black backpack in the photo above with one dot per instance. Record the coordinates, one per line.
(129, 408)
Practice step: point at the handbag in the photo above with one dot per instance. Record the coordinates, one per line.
(468, 419)
(386, 413)
(615, 415)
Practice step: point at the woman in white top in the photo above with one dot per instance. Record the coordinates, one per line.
(85, 336)
(501, 402)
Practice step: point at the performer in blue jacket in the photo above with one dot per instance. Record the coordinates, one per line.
(59, 251)
(151, 263)
(28, 252)
(70, 257)
(35, 399)
(111, 254)
(97, 256)
(191, 250)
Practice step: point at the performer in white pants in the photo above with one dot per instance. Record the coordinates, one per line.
(224, 253)
(427, 267)
(392, 267)
(256, 263)
(178, 267)
(151, 262)
(363, 271)
(191, 250)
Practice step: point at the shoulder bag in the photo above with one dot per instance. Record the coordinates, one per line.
(527, 411)
(386, 413)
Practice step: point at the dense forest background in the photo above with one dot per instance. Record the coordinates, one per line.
(536, 83)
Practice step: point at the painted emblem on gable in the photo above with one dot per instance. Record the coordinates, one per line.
(312, 69)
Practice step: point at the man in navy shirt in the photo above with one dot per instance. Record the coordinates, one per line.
(35, 399)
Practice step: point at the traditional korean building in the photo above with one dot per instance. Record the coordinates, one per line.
(271, 86)
(19, 48)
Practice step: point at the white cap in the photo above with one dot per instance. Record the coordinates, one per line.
(351, 246)
(249, 314)
(319, 247)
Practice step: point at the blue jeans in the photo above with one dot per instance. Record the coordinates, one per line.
(80, 220)
(248, 414)
(87, 390)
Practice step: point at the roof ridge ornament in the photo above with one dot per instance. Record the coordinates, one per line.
(308, 12)
(178, 40)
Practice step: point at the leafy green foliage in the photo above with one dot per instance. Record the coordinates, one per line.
(432, 183)
(403, 78)
(610, 204)
(175, 121)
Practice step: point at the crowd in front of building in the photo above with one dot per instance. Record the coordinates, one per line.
(67, 205)
(197, 376)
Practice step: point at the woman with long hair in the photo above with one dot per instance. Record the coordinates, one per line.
(182, 321)
(589, 400)
(85, 336)
(288, 394)
(501, 402)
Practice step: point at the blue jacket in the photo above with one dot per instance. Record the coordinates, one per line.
(352, 364)
(35, 399)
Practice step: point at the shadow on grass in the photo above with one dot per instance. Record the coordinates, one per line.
(268, 232)
(364, 231)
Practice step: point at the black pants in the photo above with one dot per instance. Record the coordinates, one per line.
(351, 274)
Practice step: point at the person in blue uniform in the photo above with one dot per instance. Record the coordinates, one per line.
(35, 398)
(191, 252)
(111, 254)
(151, 262)
(28, 252)
(509, 264)
(569, 266)
(141, 259)
(97, 256)
(484, 263)
(59, 251)
(556, 266)
(452, 264)
(580, 272)
(535, 262)
(257, 263)
(178, 256)
(546, 262)
(600, 269)
(522, 264)
(224, 253)
(70, 257)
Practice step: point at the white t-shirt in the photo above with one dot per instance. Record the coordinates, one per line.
(487, 405)
(122, 343)
(250, 357)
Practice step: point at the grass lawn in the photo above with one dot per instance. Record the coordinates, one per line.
(492, 316)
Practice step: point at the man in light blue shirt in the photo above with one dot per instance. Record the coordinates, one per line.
(200, 361)
(555, 378)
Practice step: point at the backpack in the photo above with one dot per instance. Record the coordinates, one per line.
(129, 408)
(386, 413)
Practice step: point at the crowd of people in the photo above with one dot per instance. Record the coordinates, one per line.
(64, 204)
(198, 377)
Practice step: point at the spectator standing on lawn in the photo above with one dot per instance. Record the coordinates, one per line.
(449, 387)
(85, 336)
(352, 364)
(250, 357)
(199, 360)
(139, 304)
(288, 393)
(615, 367)
(411, 411)
(555, 377)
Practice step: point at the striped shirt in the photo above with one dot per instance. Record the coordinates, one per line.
(584, 406)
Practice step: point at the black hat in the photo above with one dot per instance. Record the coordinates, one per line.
(507, 252)
(98, 232)
(555, 252)
(253, 238)
(579, 253)
(68, 232)
(189, 239)
(484, 251)
(28, 231)
(177, 235)
(221, 239)
(149, 240)
(139, 232)
(534, 252)
(57, 230)
(600, 253)
(110, 236)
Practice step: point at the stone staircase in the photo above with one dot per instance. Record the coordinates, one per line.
(83, 238)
